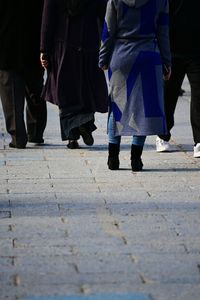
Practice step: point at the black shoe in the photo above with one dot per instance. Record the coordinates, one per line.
(113, 163)
(181, 92)
(36, 140)
(86, 136)
(136, 164)
(73, 144)
(18, 146)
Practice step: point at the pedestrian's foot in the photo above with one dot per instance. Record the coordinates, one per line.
(181, 92)
(136, 164)
(86, 136)
(162, 146)
(197, 150)
(18, 146)
(113, 163)
(73, 144)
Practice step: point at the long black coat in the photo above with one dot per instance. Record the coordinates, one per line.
(20, 23)
(185, 28)
(74, 81)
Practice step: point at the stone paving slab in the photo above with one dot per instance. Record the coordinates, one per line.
(96, 297)
(69, 227)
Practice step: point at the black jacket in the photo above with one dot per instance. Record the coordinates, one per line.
(185, 27)
(20, 23)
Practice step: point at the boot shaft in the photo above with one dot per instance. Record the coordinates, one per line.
(113, 156)
(136, 151)
(136, 162)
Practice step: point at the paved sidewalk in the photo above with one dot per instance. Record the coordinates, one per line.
(69, 226)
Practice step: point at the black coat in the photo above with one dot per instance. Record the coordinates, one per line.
(75, 81)
(20, 23)
(185, 28)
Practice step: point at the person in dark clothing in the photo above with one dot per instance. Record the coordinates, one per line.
(70, 40)
(185, 48)
(21, 74)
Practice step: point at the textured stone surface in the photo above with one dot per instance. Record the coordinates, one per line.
(71, 227)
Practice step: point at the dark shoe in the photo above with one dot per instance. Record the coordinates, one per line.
(36, 140)
(136, 162)
(181, 92)
(86, 136)
(113, 163)
(18, 146)
(113, 156)
(73, 144)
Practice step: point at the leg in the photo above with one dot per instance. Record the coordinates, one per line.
(136, 152)
(193, 73)
(73, 125)
(113, 146)
(86, 130)
(12, 92)
(171, 93)
(36, 110)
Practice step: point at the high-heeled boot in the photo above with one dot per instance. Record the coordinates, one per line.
(113, 156)
(136, 161)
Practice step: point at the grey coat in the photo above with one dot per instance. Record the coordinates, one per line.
(135, 47)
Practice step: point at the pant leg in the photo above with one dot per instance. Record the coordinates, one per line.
(112, 139)
(12, 92)
(193, 73)
(171, 93)
(36, 109)
(138, 140)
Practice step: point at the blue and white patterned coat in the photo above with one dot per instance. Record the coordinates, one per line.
(135, 46)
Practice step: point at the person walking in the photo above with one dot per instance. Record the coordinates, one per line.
(185, 48)
(21, 74)
(70, 41)
(136, 50)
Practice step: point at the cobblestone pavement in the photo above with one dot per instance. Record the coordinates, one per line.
(69, 226)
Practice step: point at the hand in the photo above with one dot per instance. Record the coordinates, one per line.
(168, 74)
(44, 60)
(104, 68)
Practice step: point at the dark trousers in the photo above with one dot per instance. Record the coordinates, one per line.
(14, 88)
(180, 68)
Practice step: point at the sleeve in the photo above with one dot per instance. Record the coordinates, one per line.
(47, 26)
(163, 34)
(101, 15)
(108, 35)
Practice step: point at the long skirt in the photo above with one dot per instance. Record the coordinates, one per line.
(71, 122)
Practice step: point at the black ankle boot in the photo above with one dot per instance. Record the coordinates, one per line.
(136, 162)
(113, 156)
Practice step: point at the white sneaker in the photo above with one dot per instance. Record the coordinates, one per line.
(161, 145)
(197, 150)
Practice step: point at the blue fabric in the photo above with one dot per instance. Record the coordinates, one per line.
(163, 19)
(135, 60)
(105, 34)
(136, 140)
(148, 13)
(116, 111)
